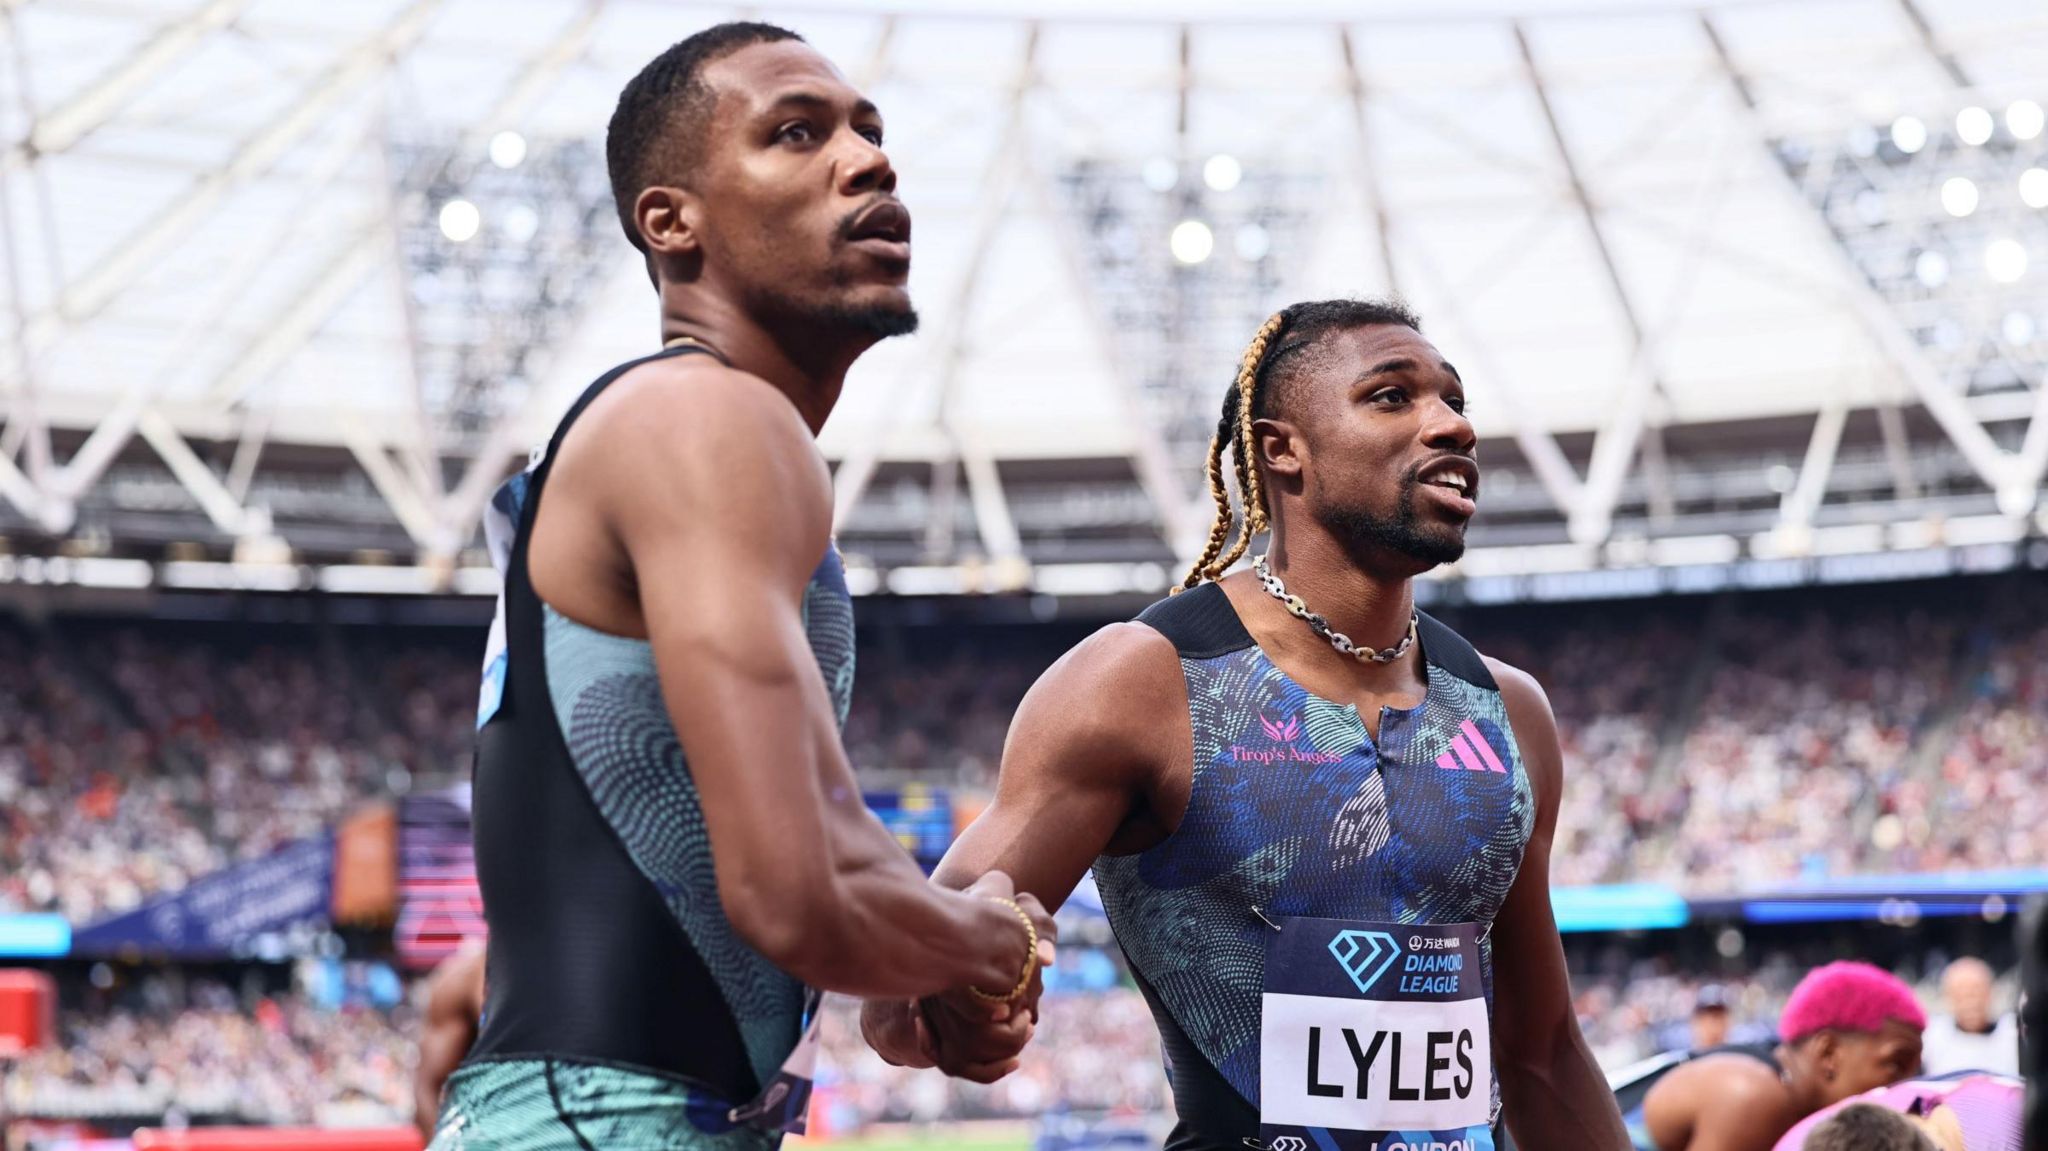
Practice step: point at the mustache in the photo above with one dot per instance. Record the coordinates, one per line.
(1414, 474)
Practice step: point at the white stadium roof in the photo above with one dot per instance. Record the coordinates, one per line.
(1669, 246)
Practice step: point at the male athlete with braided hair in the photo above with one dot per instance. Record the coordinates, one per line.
(1320, 821)
(672, 848)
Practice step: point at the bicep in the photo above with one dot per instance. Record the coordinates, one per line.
(1047, 822)
(1074, 767)
(722, 538)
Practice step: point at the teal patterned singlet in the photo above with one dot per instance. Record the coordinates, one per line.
(623, 1009)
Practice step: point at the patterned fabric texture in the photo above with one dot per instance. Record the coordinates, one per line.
(551, 1105)
(1294, 811)
(607, 701)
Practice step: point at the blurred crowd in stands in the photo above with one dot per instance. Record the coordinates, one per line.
(204, 1050)
(135, 759)
(1714, 743)
(200, 1051)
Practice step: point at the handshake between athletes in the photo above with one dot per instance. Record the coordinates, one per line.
(974, 1032)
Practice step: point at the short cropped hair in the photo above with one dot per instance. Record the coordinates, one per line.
(657, 131)
(1848, 996)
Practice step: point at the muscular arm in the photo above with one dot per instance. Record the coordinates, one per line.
(455, 996)
(1553, 1092)
(712, 487)
(1082, 770)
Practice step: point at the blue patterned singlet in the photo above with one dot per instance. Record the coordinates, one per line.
(624, 1010)
(1294, 810)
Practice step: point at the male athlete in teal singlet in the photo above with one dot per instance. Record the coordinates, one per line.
(673, 851)
(1320, 820)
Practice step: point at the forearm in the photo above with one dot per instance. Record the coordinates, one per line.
(869, 924)
(904, 938)
(1557, 1099)
(436, 1064)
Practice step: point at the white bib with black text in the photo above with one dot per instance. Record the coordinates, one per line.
(1375, 1037)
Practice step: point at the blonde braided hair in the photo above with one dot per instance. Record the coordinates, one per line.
(1236, 426)
(1283, 335)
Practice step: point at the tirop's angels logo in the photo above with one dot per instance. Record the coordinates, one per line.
(1286, 732)
(1284, 744)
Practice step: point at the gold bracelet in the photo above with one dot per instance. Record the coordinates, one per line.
(1030, 957)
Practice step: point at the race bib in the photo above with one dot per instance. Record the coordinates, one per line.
(1375, 1037)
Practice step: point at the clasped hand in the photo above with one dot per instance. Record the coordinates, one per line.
(958, 1032)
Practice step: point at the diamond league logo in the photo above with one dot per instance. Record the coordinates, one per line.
(1287, 1143)
(1364, 955)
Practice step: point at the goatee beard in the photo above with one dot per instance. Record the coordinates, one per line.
(1403, 533)
(879, 321)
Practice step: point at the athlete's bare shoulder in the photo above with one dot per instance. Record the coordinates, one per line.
(1122, 664)
(682, 461)
(1517, 687)
(1110, 716)
(1693, 1099)
(684, 408)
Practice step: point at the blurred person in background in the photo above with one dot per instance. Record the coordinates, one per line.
(1867, 1127)
(1260, 794)
(1710, 1018)
(1970, 1037)
(1963, 1113)
(1848, 1028)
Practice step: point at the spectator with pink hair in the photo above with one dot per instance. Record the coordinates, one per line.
(1848, 1028)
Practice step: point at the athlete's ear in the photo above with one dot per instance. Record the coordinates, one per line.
(1827, 1053)
(670, 221)
(1280, 446)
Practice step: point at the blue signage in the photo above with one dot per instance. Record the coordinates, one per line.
(38, 936)
(225, 912)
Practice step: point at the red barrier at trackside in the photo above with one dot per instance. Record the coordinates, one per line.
(278, 1139)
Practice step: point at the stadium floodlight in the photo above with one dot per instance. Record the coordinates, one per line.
(2034, 187)
(1252, 243)
(1192, 241)
(1950, 256)
(1161, 174)
(508, 149)
(1180, 314)
(2024, 119)
(501, 261)
(1909, 135)
(1222, 173)
(460, 220)
(1974, 126)
(1959, 196)
(1931, 269)
(2006, 260)
(521, 223)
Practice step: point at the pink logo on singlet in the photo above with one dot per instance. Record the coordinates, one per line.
(1283, 733)
(1470, 752)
